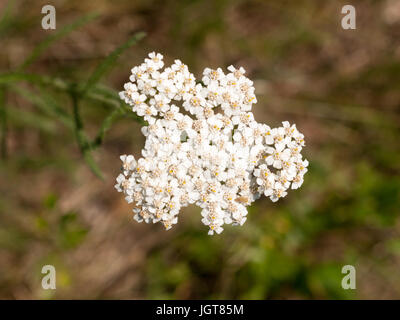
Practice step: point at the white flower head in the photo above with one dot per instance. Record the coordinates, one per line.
(222, 161)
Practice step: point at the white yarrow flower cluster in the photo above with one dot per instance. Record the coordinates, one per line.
(204, 147)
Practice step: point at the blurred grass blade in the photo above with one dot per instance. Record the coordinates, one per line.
(6, 12)
(53, 107)
(57, 83)
(3, 122)
(108, 62)
(5, 18)
(107, 96)
(44, 104)
(98, 93)
(41, 47)
(22, 118)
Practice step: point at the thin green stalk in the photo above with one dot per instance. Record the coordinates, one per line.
(81, 138)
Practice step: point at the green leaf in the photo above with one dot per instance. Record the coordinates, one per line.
(106, 125)
(71, 232)
(52, 107)
(56, 83)
(41, 47)
(98, 93)
(46, 104)
(87, 156)
(108, 62)
(23, 118)
(50, 201)
(67, 218)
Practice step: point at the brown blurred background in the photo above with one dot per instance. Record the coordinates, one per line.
(341, 88)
